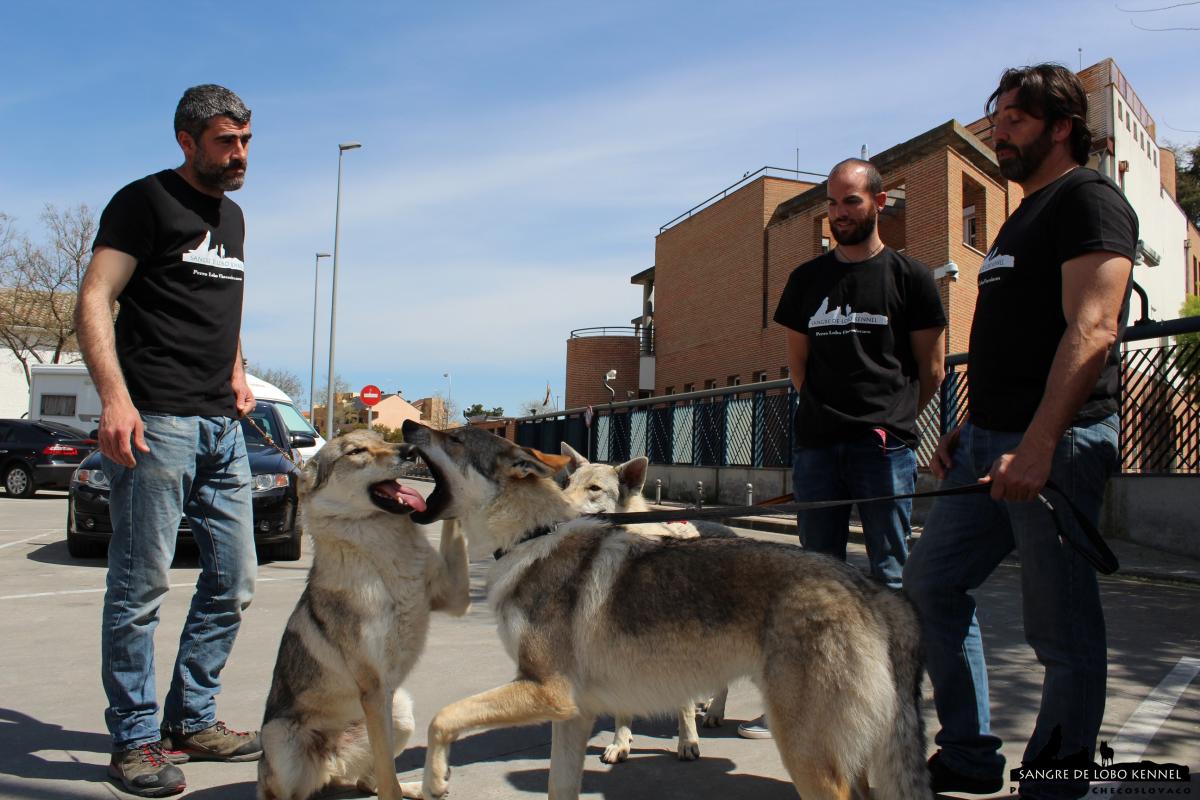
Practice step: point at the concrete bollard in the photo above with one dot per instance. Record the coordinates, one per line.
(749, 494)
(699, 494)
(658, 492)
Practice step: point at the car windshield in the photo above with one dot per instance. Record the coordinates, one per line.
(293, 420)
(263, 417)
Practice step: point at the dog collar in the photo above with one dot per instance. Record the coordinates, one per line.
(525, 537)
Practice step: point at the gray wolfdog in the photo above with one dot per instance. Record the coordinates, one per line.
(601, 489)
(336, 716)
(834, 654)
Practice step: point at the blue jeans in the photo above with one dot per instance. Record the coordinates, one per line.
(965, 538)
(861, 467)
(196, 466)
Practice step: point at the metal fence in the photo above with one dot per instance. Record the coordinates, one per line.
(752, 425)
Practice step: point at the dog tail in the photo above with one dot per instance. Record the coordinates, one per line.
(901, 772)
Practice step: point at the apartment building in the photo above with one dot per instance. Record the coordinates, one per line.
(719, 269)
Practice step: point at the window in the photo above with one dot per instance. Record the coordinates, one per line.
(970, 234)
(1155, 154)
(291, 417)
(760, 376)
(785, 372)
(58, 405)
(669, 390)
(734, 380)
(1120, 111)
(689, 387)
(711, 383)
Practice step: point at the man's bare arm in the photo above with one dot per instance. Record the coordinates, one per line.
(1093, 290)
(105, 279)
(797, 355)
(243, 397)
(929, 351)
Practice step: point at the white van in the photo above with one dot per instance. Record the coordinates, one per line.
(295, 421)
(64, 393)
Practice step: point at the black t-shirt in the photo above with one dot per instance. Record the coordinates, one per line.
(1019, 314)
(181, 312)
(861, 373)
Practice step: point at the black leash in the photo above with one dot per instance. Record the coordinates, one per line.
(1072, 526)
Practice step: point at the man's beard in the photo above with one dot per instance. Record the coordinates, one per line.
(1025, 162)
(215, 175)
(859, 232)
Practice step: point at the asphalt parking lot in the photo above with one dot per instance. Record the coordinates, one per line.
(53, 743)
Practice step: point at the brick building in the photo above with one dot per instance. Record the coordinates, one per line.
(719, 270)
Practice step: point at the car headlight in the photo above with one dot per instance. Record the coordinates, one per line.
(274, 480)
(92, 477)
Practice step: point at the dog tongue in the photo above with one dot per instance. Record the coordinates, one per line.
(412, 497)
(402, 494)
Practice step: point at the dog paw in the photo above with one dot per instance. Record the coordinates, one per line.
(412, 791)
(688, 751)
(712, 720)
(432, 793)
(614, 754)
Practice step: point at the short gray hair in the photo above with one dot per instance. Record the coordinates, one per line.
(201, 103)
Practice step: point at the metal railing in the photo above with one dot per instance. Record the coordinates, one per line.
(644, 334)
(747, 178)
(752, 425)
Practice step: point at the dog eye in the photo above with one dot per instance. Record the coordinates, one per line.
(356, 451)
(594, 488)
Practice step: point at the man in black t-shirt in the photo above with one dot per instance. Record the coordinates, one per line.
(866, 348)
(1053, 297)
(171, 385)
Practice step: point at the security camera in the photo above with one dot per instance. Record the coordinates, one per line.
(611, 376)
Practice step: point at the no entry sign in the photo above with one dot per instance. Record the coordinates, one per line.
(370, 395)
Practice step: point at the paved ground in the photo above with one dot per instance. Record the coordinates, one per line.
(53, 744)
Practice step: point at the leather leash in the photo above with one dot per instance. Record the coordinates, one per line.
(271, 441)
(1073, 527)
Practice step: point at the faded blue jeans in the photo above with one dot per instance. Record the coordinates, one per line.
(860, 467)
(197, 467)
(965, 538)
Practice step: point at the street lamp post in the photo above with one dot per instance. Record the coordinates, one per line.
(337, 229)
(312, 371)
(449, 389)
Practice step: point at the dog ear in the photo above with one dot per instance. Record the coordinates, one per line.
(316, 470)
(576, 461)
(542, 465)
(632, 473)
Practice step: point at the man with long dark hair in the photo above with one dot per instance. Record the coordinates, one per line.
(1043, 370)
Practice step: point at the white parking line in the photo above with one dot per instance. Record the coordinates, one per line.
(1139, 730)
(101, 590)
(26, 539)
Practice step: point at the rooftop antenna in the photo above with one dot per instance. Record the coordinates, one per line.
(1080, 49)
(863, 153)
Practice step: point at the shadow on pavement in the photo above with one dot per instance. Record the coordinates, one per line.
(22, 738)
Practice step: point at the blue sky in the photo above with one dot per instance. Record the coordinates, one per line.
(518, 158)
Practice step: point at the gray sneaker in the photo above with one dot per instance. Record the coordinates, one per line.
(146, 772)
(755, 729)
(215, 743)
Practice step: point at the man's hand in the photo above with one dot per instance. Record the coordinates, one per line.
(1020, 475)
(243, 397)
(943, 456)
(119, 423)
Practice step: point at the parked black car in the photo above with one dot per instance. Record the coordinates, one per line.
(39, 455)
(277, 534)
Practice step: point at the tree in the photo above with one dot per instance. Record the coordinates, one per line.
(1187, 180)
(39, 285)
(477, 410)
(287, 381)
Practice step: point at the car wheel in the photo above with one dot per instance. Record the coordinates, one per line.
(285, 551)
(18, 481)
(77, 546)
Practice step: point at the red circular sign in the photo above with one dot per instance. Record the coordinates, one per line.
(370, 395)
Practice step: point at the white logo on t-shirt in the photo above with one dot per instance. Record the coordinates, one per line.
(995, 260)
(837, 317)
(213, 257)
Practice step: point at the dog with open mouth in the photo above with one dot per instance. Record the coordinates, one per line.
(336, 716)
(835, 655)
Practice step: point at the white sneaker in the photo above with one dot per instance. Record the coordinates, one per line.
(755, 729)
